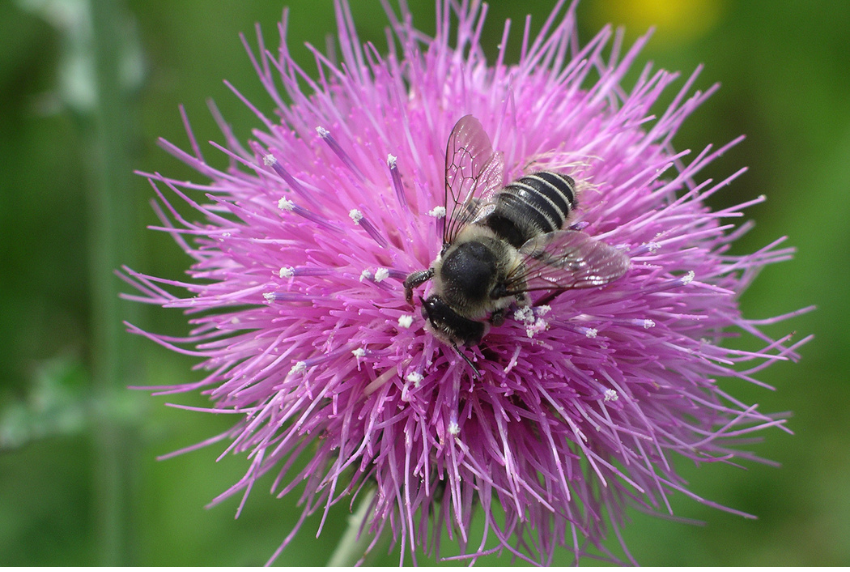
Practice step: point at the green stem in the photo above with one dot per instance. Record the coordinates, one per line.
(352, 546)
(111, 225)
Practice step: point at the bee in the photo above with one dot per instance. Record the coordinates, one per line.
(499, 243)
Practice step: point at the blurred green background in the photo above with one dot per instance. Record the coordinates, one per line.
(72, 451)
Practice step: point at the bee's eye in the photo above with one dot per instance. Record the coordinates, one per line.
(424, 312)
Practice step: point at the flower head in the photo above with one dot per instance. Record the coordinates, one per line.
(583, 398)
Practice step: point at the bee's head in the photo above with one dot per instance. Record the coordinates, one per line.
(450, 326)
(427, 307)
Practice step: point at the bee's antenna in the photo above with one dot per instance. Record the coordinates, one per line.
(475, 371)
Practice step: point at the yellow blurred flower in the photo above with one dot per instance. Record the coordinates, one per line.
(679, 21)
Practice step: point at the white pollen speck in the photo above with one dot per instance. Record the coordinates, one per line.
(535, 327)
(391, 161)
(355, 215)
(415, 378)
(322, 132)
(524, 315)
(611, 395)
(235, 320)
(591, 332)
(299, 367)
(405, 320)
(688, 278)
(269, 296)
(269, 160)
(653, 247)
(438, 212)
(359, 353)
(648, 324)
(454, 428)
(543, 310)
(381, 274)
(285, 204)
(286, 272)
(365, 275)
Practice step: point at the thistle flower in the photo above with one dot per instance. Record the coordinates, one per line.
(584, 400)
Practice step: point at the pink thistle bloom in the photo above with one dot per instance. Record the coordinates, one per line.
(583, 400)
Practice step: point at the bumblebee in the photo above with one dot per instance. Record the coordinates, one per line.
(499, 243)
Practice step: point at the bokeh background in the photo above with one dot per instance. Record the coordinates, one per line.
(79, 479)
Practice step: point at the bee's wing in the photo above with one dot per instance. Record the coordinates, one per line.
(473, 173)
(566, 259)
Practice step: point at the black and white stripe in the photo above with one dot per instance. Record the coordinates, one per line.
(535, 204)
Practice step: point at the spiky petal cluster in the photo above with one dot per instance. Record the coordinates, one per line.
(584, 401)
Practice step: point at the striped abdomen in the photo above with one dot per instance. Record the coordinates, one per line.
(535, 204)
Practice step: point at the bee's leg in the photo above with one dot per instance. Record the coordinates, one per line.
(415, 279)
(497, 318)
(547, 298)
(475, 372)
